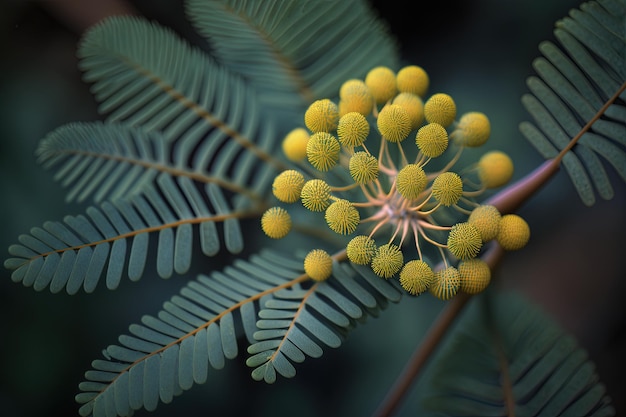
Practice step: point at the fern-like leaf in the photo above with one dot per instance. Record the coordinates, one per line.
(112, 161)
(198, 330)
(299, 322)
(506, 357)
(295, 46)
(580, 83)
(145, 75)
(80, 250)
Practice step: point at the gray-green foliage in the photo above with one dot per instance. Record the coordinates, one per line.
(188, 148)
(505, 350)
(574, 81)
(283, 317)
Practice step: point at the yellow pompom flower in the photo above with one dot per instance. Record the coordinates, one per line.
(276, 222)
(315, 195)
(486, 218)
(387, 261)
(416, 277)
(288, 185)
(381, 82)
(355, 96)
(495, 168)
(321, 116)
(464, 240)
(475, 275)
(412, 79)
(513, 233)
(393, 123)
(446, 284)
(414, 107)
(352, 129)
(322, 151)
(411, 181)
(361, 249)
(432, 140)
(342, 217)
(448, 188)
(473, 130)
(318, 265)
(363, 167)
(294, 144)
(440, 108)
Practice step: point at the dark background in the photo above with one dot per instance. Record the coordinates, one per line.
(480, 52)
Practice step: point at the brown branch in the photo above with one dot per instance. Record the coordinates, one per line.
(513, 196)
(430, 342)
(506, 201)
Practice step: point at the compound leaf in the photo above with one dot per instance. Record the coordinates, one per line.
(299, 322)
(199, 328)
(295, 51)
(580, 82)
(80, 250)
(505, 353)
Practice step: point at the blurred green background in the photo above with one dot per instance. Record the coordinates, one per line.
(480, 52)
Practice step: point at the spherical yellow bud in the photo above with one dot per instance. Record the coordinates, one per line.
(440, 108)
(414, 107)
(495, 169)
(486, 218)
(342, 217)
(276, 222)
(355, 95)
(381, 82)
(416, 277)
(464, 240)
(349, 87)
(352, 129)
(322, 151)
(315, 195)
(473, 130)
(475, 275)
(363, 167)
(321, 116)
(447, 283)
(432, 140)
(448, 188)
(393, 123)
(411, 181)
(361, 249)
(288, 185)
(294, 144)
(318, 265)
(387, 261)
(514, 232)
(413, 79)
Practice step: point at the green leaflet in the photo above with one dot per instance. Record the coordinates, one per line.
(209, 119)
(502, 337)
(198, 329)
(573, 82)
(299, 322)
(110, 161)
(113, 237)
(295, 51)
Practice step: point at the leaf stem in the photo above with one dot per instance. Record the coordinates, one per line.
(585, 128)
(511, 198)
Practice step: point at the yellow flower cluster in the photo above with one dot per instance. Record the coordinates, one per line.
(403, 201)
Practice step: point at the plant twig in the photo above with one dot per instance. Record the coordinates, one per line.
(430, 342)
(419, 357)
